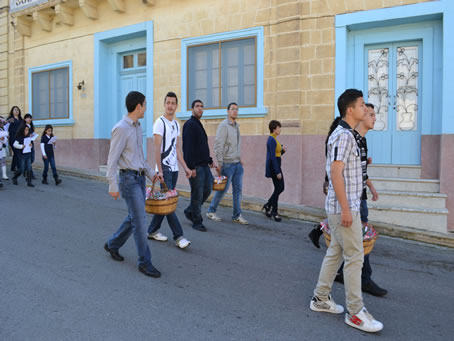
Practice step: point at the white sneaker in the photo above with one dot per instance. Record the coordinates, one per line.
(183, 243)
(213, 216)
(157, 236)
(363, 321)
(241, 220)
(328, 306)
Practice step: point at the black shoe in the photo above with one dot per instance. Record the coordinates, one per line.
(149, 270)
(44, 182)
(373, 289)
(1, 185)
(114, 253)
(267, 210)
(339, 278)
(315, 235)
(30, 184)
(188, 215)
(15, 181)
(275, 217)
(200, 228)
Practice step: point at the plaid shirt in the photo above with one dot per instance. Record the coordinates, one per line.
(342, 146)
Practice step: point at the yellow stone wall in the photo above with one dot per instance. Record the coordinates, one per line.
(298, 61)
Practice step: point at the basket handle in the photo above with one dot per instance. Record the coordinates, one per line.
(163, 184)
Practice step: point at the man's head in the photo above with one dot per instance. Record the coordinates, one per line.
(232, 111)
(197, 108)
(351, 104)
(135, 103)
(369, 120)
(170, 103)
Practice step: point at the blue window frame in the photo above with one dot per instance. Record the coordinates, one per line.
(50, 94)
(222, 68)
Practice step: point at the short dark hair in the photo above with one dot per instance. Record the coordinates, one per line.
(347, 100)
(273, 125)
(132, 99)
(171, 94)
(370, 105)
(230, 104)
(195, 102)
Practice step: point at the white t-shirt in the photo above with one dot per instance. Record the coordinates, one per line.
(171, 130)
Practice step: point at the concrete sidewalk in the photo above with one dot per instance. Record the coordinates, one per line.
(299, 212)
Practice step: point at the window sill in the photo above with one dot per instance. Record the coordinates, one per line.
(54, 122)
(222, 113)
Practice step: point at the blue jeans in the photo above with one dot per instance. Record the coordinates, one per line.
(170, 178)
(132, 188)
(201, 187)
(51, 160)
(25, 163)
(234, 173)
(364, 211)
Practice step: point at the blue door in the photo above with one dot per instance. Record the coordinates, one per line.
(133, 78)
(393, 83)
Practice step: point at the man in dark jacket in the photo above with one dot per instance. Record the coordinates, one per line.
(197, 157)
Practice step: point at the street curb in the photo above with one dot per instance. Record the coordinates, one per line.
(298, 212)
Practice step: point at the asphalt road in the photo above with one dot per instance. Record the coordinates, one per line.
(233, 283)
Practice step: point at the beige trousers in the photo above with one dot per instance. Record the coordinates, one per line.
(346, 245)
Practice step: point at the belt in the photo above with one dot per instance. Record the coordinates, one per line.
(133, 171)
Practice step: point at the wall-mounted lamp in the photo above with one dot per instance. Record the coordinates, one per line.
(81, 85)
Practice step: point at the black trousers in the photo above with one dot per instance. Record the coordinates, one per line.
(278, 189)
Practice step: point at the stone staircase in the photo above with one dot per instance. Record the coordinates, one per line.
(407, 200)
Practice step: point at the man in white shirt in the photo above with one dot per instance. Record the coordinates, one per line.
(167, 153)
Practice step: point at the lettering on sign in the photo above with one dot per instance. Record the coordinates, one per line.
(18, 5)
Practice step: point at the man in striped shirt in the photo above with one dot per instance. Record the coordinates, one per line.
(343, 167)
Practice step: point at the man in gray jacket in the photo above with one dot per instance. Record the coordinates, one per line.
(227, 150)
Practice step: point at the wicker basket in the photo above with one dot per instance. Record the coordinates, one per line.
(219, 186)
(161, 207)
(368, 244)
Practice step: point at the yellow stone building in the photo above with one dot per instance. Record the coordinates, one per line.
(71, 62)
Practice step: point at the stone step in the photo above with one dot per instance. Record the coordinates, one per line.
(103, 169)
(394, 171)
(410, 199)
(429, 219)
(406, 184)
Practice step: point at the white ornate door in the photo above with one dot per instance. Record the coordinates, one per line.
(393, 86)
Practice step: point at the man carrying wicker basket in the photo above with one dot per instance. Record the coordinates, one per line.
(343, 167)
(126, 156)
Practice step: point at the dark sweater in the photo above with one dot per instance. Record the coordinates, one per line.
(195, 144)
(48, 148)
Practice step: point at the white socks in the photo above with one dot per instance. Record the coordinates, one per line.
(4, 176)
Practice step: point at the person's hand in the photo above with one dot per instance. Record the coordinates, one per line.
(284, 149)
(193, 173)
(374, 194)
(188, 173)
(160, 178)
(325, 187)
(242, 163)
(346, 218)
(44, 157)
(279, 176)
(30, 144)
(213, 165)
(218, 169)
(369, 160)
(115, 195)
